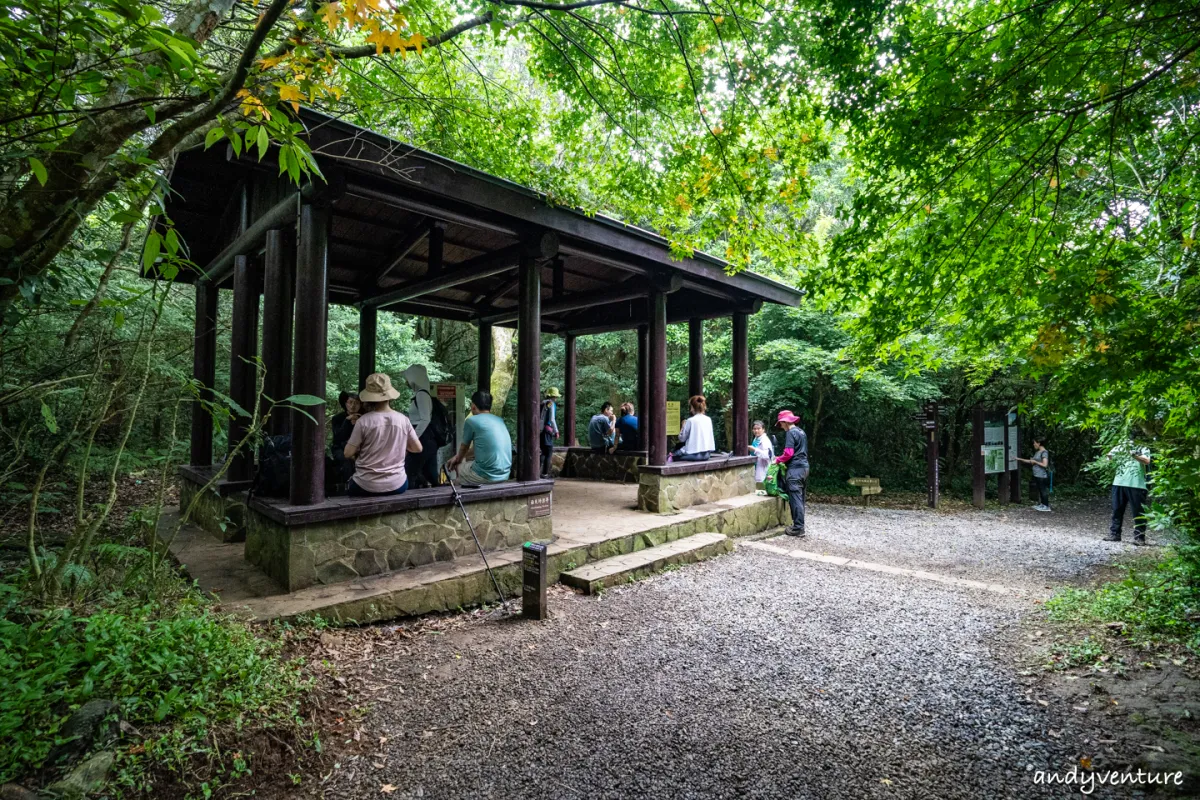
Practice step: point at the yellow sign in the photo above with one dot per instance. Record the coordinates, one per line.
(672, 418)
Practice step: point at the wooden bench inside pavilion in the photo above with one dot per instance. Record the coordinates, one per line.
(396, 229)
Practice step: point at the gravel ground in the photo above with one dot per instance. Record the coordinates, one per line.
(752, 675)
(1016, 547)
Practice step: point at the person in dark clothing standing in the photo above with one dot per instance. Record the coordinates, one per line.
(1129, 489)
(795, 456)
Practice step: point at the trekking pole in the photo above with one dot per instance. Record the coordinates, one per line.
(475, 536)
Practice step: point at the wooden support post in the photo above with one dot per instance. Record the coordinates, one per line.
(529, 361)
(741, 384)
(696, 358)
(368, 324)
(978, 476)
(204, 372)
(1002, 478)
(1014, 485)
(312, 318)
(643, 383)
(933, 432)
(656, 413)
(437, 241)
(483, 370)
(243, 366)
(278, 263)
(569, 394)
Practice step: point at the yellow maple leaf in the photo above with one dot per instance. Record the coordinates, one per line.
(273, 61)
(1102, 347)
(381, 39)
(416, 42)
(291, 94)
(330, 14)
(771, 153)
(1085, 762)
(718, 20)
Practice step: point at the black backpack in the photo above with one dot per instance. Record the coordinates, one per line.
(439, 422)
(274, 475)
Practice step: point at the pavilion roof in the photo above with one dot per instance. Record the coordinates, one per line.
(386, 197)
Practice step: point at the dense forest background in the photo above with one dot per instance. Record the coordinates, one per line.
(984, 202)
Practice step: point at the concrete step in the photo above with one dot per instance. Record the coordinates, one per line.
(629, 567)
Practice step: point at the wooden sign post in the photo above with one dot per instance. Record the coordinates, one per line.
(928, 418)
(869, 487)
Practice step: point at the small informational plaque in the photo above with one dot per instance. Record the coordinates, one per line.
(539, 505)
(533, 588)
(672, 417)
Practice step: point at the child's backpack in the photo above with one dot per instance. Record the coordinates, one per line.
(439, 422)
(274, 475)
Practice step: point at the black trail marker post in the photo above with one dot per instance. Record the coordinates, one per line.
(533, 595)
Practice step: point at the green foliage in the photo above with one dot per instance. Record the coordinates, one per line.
(176, 670)
(1158, 602)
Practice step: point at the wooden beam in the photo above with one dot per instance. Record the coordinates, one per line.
(741, 384)
(401, 250)
(529, 368)
(281, 214)
(656, 414)
(368, 320)
(569, 391)
(243, 359)
(696, 357)
(312, 322)
(978, 472)
(484, 266)
(483, 363)
(489, 301)
(278, 264)
(557, 291)
(643, 382)
(437, 238)
(204, 373)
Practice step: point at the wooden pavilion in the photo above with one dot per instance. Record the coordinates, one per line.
(398, 229)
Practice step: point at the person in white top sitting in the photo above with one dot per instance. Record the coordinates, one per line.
(696, 441)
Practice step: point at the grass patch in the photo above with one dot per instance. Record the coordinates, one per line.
(193, 682)
(1157, 603)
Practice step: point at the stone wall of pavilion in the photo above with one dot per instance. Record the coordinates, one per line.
(348, 549)
(582, 463)
(666, 490)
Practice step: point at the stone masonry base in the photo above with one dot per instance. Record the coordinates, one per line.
(350, 549)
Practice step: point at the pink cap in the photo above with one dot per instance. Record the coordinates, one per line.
(787, 416)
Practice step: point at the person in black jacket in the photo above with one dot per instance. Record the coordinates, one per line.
(795, 455)
(342, 426)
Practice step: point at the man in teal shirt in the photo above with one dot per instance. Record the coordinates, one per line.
(1129, 489)
(493, 446)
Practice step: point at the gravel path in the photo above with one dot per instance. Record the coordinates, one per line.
(753, 675)
(1016, 547)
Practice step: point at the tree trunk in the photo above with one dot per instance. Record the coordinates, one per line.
(504, 366)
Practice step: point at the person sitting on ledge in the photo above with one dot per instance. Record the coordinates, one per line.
(379, 442)
(627, 429)
(602, 429)
(492, 444)
(696, 440)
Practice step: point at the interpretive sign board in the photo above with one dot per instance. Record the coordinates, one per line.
(993, 448)
(672, 418)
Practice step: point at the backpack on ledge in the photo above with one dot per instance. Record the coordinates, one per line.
(439, 422)
(273, 478)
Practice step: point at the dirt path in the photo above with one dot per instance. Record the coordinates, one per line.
(753, 675)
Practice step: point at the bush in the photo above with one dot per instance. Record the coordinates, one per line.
(1157, 602)
(176, 672)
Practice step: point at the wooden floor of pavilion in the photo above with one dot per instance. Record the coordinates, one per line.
(591, 521)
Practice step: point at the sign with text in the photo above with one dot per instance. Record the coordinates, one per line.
(993, 448)
(867, 485)
(539, 505)
(672, 418)
(533, 581)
